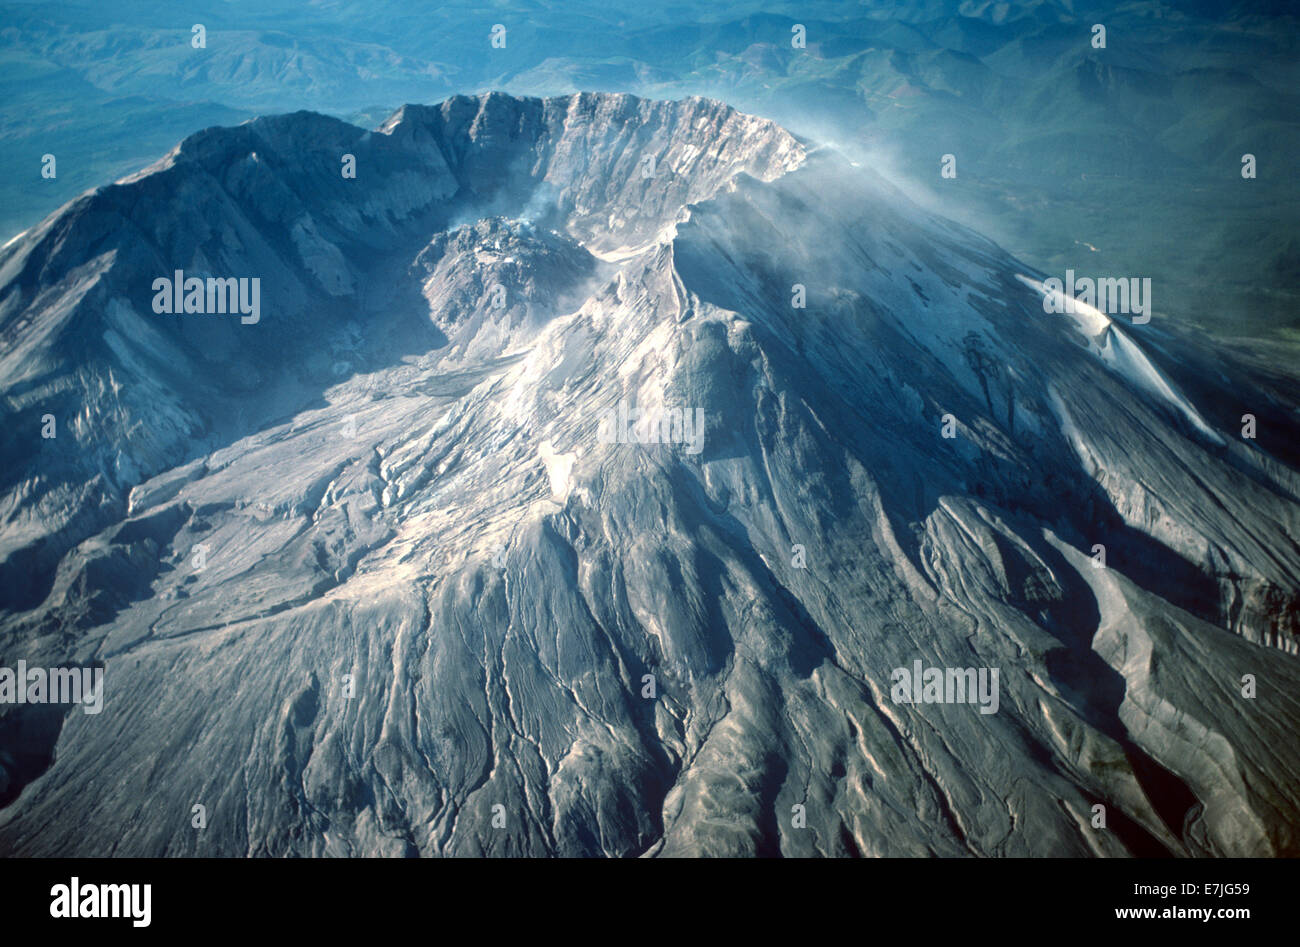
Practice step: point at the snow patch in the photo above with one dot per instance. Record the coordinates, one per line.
(559, 468)
(1122, 355)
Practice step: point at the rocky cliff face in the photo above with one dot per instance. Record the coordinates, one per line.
(387, 572)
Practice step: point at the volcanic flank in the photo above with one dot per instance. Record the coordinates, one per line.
(371, 575)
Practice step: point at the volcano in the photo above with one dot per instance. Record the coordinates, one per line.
(595, 473)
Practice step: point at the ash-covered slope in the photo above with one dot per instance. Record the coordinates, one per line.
(438, 609)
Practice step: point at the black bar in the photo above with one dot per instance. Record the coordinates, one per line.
(658, 898)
